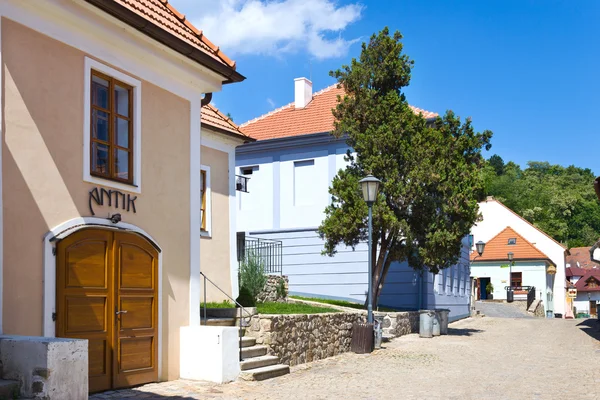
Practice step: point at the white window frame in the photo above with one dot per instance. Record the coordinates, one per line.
(90, 65)
(208, 231)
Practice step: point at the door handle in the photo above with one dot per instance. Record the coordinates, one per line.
(121, 312)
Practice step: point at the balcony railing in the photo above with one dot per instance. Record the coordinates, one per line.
(268, 252)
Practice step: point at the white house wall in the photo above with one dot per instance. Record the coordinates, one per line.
(582, 302)
(496, 217)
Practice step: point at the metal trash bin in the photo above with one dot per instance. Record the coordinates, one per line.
(426, 318)
(549, 314)
(510, 296)
(362, 338)
(378, 332)
(435, 330)
(442, 314)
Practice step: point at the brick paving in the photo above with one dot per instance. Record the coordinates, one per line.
(481, 358)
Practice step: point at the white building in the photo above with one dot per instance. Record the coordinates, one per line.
(539, 260)
(291, 167)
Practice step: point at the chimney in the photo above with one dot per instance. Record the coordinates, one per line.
(302, 92)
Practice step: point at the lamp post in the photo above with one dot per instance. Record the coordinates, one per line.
(480, 246)
(370, 186)
(509, 297)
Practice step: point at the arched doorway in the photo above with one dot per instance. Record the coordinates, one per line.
(107, 293)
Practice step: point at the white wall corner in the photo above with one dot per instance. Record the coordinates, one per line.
(195, 204)
(209, 353)
(233, 263)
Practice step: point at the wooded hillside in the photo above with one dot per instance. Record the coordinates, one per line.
(559, 200)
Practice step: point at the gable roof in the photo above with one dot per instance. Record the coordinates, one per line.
(316, 117)
(575, 271)
(582, 283)
(492, 199)
(497, 248)
(580, 256)
(161, 21)
(215, 120)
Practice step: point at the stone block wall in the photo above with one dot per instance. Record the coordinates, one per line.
(271, 292)
(301, 338)
(298, 339)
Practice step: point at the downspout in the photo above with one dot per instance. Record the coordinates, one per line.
(206, 99)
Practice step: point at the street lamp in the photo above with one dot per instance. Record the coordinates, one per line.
(509, 296)
(370, 187)
(480, 246)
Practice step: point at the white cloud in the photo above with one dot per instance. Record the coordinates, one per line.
(271, 102)
(274, 27)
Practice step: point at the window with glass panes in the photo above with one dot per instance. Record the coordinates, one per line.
(111, 129)
(203, 199)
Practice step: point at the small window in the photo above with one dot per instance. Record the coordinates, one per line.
(111, 141)
(512, 241)
(592, 283)
(516, 279)
(205, 220)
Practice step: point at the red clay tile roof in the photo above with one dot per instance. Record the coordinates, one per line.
(163, 14)
(575, 271)
(582, 256)
(316, 117)
(213, 118)
(582, 284)
(497, 248)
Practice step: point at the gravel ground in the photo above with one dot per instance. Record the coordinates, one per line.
(481, 358)
(501, 310)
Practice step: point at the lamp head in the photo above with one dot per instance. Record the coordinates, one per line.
(370, 188)
(480, 246)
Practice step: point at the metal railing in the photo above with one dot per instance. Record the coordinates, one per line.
(529, 289)
(241, 308)
(530, 296)
(241, 183)
(268, 252)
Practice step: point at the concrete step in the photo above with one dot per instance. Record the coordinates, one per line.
(262, 373)
(248, 341)
(253, 351)
(9, 389)
(219, 322)
(258, 362)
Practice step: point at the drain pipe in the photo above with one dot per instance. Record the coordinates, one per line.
(206, 99)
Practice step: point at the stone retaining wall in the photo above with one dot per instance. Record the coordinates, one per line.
(298, 339)
(271, 291)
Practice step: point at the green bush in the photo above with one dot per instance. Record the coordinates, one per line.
(252, 275)
(245, 298)
(281, 290)
(489, 288)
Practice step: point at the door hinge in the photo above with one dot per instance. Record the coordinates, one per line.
(53, 316)
(54, 251)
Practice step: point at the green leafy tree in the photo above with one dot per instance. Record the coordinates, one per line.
(559, 200)
(497, 163)
(430, 171)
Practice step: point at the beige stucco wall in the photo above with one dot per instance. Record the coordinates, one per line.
(214, 250)
(43, 185)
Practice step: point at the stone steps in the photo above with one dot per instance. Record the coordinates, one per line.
(219, 321)
(253, 351)
(9, 389)
(256, 365)
(262, 373)
(258, 362)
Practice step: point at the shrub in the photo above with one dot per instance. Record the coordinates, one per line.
(281, 290)
(245, 298)
(489, 288)
(252, 275)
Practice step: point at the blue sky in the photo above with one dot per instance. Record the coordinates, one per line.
(527, 70)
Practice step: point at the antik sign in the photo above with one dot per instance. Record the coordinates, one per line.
(111, 198)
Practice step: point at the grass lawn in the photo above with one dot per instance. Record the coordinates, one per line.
(291, 308)
(341, 303)
(214, 304)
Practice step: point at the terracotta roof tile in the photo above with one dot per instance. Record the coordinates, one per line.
(212, 117)
(575, 271)
(580, 256)
(316, 117)
(164, 15)
(498, 248)
(582, 284)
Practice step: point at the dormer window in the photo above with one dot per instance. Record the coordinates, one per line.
(512, 241)
(592, 283)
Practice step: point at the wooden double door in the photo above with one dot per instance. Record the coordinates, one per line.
(107, 293)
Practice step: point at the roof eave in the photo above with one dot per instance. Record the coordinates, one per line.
(155, 32)
(238, 136)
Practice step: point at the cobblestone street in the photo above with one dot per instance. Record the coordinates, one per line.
(481, 358)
